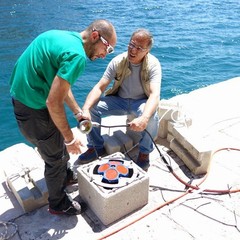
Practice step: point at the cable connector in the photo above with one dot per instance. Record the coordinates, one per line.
(85, 126)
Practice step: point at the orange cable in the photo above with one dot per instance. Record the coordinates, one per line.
(175, 199)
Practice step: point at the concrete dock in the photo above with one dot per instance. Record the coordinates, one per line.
(194, 178)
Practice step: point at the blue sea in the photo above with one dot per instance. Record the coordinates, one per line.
(197, 42)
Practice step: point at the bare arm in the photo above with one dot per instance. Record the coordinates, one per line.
(94, 96)
(72, 103)
(153, 100)
(140, 123)
(55, 103)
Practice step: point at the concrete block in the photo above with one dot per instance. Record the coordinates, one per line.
(111, 144)
(113, 121)
(172, 110)
(194, 151)
(112, 201)
(163, 128)
(193, 143)
(135, 136)
(182, 153)
(29, 189)
(24, 171)
(167, 109)
(124, 140)
(170, 126)
(170, 137)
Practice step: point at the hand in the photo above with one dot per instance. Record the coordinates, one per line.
(75, 147)
(138, 124)
(84, 114)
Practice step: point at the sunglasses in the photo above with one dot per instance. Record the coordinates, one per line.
(110, 48)
(140, 49)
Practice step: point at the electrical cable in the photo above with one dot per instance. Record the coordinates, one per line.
(141, 217)
(190, 187)
(190, 190)
(214, 219)
(162, 157)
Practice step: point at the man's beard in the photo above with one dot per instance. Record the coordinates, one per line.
(91, 52)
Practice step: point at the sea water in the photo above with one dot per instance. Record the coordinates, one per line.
(197, 42)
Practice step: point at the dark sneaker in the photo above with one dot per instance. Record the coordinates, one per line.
(143, 161)
(74, 209)
(71, 177)
(90, 155)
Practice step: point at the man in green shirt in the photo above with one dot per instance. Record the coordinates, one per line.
(40, 86)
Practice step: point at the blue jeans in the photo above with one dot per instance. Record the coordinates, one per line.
(115, 105)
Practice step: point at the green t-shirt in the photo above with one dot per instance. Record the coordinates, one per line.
(52, 53)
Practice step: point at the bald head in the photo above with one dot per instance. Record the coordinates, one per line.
(144, 34)
(105, 29)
